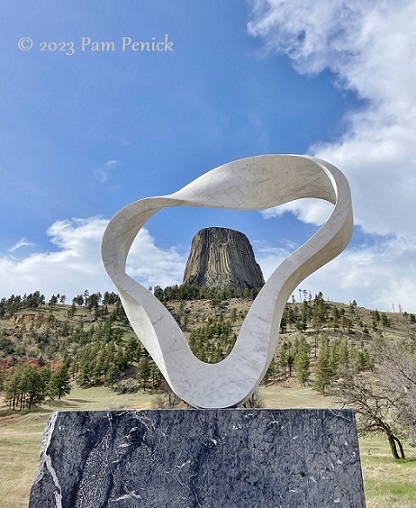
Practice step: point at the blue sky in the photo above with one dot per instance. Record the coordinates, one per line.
(83, 135)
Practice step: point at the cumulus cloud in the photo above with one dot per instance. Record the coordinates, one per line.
(312, 34)
(269, 258)
(369, 45)
(74, 264)
(379, 276)
(153, 266)
(308, 210)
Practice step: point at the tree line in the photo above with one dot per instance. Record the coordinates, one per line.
(331, 348)
(185, 292)
(30, 385)
(9, 306)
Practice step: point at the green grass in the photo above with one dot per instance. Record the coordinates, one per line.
(100, 398)
(291, 395)
(21, 437)
(388, 483)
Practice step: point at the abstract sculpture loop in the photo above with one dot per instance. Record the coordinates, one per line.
(253, 183)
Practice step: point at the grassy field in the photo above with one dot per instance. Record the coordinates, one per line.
(21, 437)
(388, 483)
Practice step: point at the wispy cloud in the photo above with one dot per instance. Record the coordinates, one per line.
(102, 173)
(23, 242)
(370, 47)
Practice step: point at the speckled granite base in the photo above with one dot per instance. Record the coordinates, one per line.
(228, 458)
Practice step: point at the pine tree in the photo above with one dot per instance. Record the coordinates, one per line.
(286, 357)
(344, 354)
(59, 384)
(111, 375)
(319, 316)
(133, 349)
(324, 370)
(302, 365)
(86, 369)
(144, 372)
(335, 317)
(27, 387)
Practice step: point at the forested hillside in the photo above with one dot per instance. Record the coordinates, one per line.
(362, 356)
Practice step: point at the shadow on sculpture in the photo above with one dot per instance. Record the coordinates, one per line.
(253, 183)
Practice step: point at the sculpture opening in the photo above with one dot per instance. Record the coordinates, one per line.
(254, 183)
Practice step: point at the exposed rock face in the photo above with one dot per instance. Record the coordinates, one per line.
(222, 258)
(24, 319)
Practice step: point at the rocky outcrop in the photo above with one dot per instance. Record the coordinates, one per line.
(25, 319)
(222, 258)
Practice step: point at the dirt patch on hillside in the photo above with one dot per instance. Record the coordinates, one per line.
(7, 420)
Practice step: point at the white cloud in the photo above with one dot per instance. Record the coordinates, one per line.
(311, 211)
(23, 242)
(269, 258)
(370, 47)
(377, 277)
(75, 263)
(102, 174)
(310, 33)
(152, 266)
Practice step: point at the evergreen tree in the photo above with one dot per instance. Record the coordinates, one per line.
(12, 390)
(271, 372)
(144, 371)
(286, 357)
(344, 354)
(319, 316)
(111, 375)
(133, 349)
(59, 384)
(27, 387)
(302, 321)
(72, 310)
(302, 365)
(335, 317)
(361, 358)
(283, 321)
(385, 321)
(324, 370)
(86, 368)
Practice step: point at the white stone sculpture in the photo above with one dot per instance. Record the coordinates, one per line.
(253, 183)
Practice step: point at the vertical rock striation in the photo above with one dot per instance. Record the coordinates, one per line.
(222, 258)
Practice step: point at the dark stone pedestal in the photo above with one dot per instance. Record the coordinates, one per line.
(228, 458)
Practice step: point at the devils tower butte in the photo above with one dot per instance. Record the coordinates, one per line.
(222, 258)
